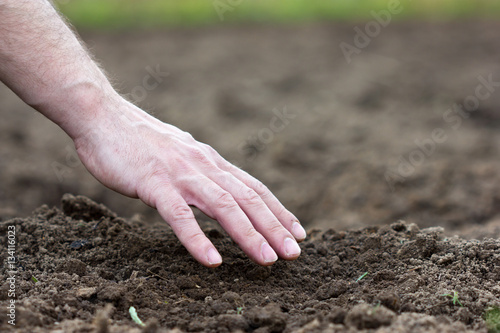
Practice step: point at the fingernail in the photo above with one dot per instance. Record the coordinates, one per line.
(292, 249)
(214, 257)
(268, 253)
(298, 231)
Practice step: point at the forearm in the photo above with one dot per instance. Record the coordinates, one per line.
(44, 63)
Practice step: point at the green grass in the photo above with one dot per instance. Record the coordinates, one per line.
(153, 13)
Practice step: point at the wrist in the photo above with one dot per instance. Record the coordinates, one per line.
(97, 113)
(79, 108)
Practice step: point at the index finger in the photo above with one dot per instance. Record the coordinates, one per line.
(176, 212)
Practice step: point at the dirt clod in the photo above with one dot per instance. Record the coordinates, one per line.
(331, 290)
(72, 266)
(82, 208)
(86, 293)
(269, 317)
(364, 316)
(390, 300)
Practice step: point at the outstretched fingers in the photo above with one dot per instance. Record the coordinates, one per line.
(174, 209)
(287, 219)
(220, 203)
(259, 214)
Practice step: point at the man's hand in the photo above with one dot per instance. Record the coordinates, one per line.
(139, 156)
(131, 152)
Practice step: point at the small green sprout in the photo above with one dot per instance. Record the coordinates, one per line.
(34, 279)
(375, 308)
(135, 317)
(454, 298)
(239, 310)
(492, 319)
(362, 277)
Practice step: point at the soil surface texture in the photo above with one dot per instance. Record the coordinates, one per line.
(91, 266)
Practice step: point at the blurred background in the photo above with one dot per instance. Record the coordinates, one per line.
(354, 113)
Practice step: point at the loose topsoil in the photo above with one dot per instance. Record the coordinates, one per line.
(90, 266)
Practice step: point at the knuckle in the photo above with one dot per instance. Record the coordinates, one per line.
(200, 156)
(185, 137)
(151, 188)
(260, 188)
(250, 232)
(155, 171)
(274, 227)
(181, 213)
(250, 198)
(188, 137)
(195, 238)
(189, 180)
(232, 168)
(181, 164)
(225, 200)
(281, 211)
(191, 237)
(209, 149)
(225, 177)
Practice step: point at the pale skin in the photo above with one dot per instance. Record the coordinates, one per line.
(133, 153)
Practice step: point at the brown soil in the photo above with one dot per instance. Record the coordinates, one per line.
(353, 123)
(85, 257)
